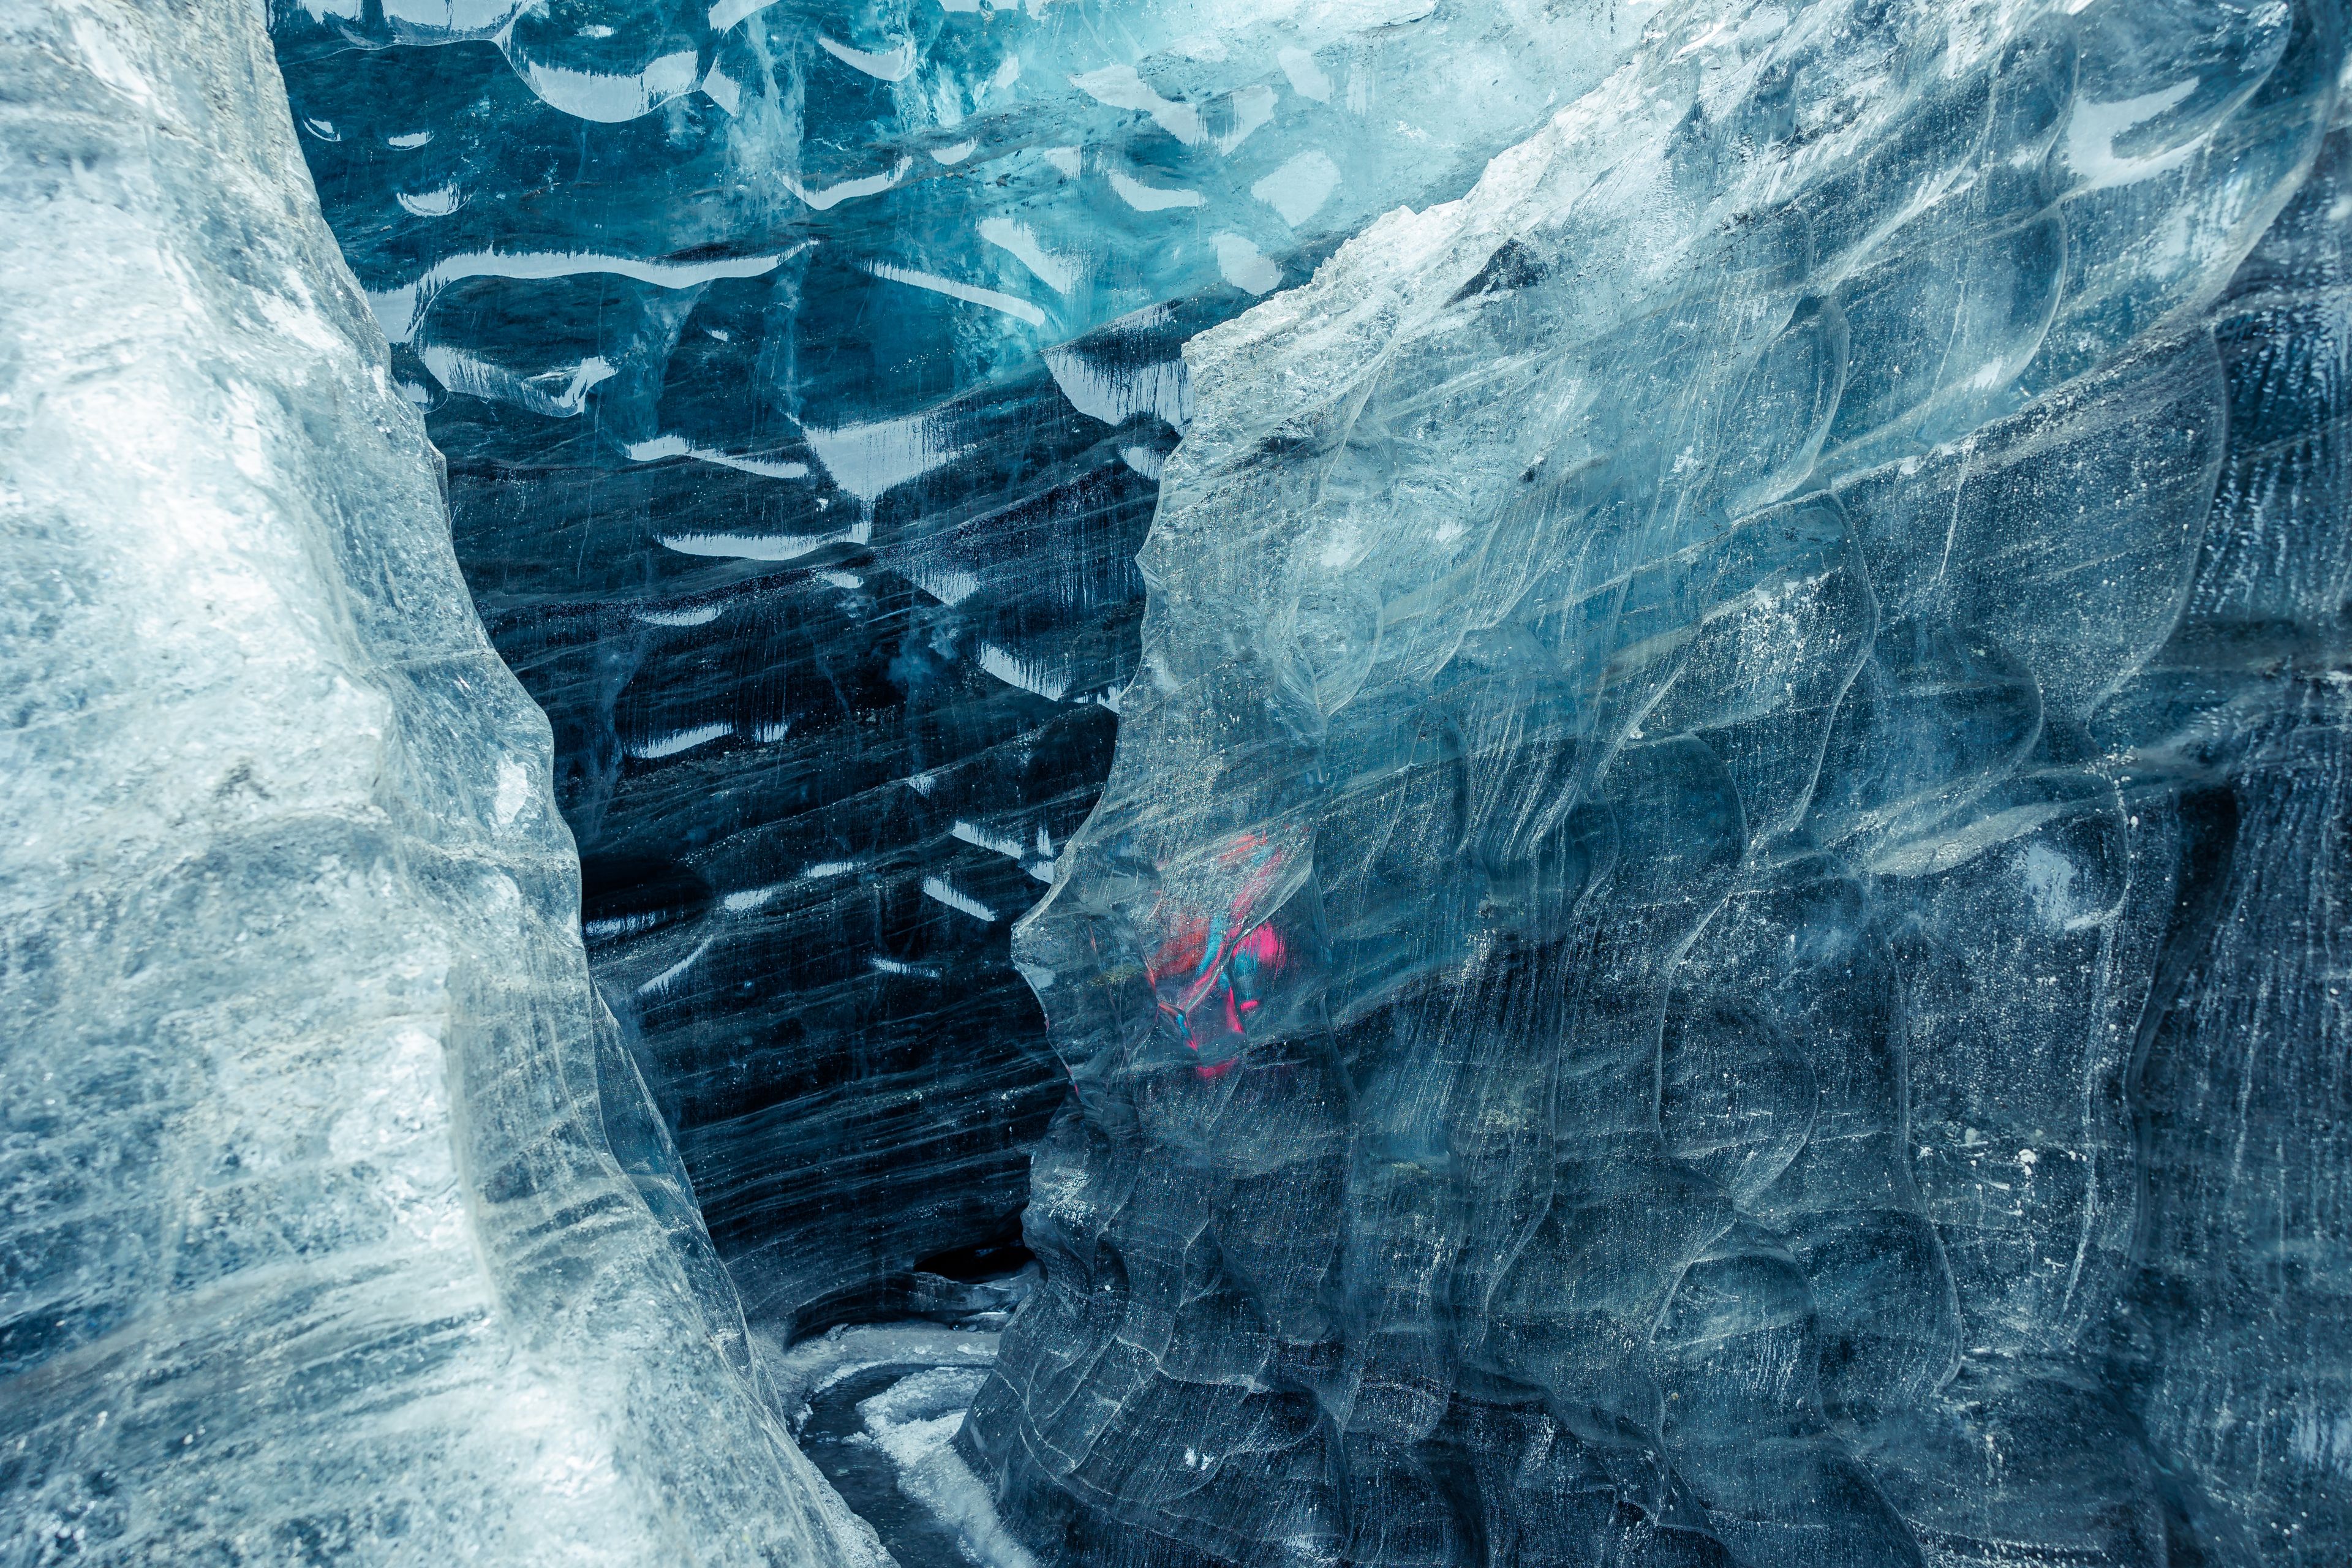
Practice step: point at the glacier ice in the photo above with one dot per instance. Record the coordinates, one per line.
(804, 374)
(338, 1225)
(1712, 938)
(1715, 935)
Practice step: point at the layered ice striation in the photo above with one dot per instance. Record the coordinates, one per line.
(338, 1226)
(1716, 936)
(804, 371)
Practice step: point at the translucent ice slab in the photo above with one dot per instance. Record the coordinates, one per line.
(338, 1227)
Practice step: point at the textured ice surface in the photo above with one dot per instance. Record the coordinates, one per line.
(1716, 939)
(804, 372)
(337, 1226)
(1717, 934)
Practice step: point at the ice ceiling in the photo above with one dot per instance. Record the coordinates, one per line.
(1373, 783)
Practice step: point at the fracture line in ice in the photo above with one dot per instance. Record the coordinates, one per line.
(671, 976)
(1298, 189)
(727, 13)
(1021, 241)
(679, 447)
(938, 888)
(1014, 670)
(894, 64)
(1120, 87)
(475, 377)
(611, 98)
(972, 294)
(402, 310)
(678, 741)
(439, 201)
(700, 617)
(2091, 138)
(763, 546)
(847, 190)
(868, 460)
(980, 838)
(1146, 198)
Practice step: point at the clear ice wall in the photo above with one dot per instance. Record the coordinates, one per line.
(337, 1227)
(1717, 934)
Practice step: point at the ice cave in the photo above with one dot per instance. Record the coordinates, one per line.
(1176, 783)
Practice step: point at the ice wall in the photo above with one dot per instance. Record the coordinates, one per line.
(804, 371)
(1715, 934)
(336, 1228)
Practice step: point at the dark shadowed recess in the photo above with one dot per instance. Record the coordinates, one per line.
(785, 915)
(811, 793)
(852, 1068)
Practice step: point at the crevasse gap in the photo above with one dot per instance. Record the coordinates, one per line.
(804, 371)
